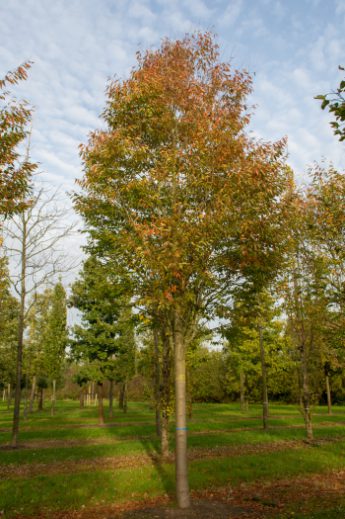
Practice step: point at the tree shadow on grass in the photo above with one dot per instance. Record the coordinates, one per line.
(152, 449)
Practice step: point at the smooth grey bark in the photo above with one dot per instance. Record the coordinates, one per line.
(188, 397)
(181, 465)
(263, 380)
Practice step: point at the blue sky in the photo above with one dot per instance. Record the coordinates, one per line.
(293, 48)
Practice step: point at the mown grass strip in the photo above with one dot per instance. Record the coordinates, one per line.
(99, 487)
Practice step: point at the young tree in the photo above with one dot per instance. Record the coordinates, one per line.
(45, 352)
(15, 173)
(33, 245)
(8, 335)
(326, 221)
(56, 337)
(104, 341)
(169, 183)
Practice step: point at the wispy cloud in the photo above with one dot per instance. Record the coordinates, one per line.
(294, 48)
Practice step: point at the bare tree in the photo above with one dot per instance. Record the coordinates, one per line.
(33, 242)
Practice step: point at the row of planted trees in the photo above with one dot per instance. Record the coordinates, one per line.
(190, 219)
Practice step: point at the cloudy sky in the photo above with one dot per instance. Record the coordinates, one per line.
(293, 47)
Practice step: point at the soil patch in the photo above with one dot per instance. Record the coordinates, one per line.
(200, 509)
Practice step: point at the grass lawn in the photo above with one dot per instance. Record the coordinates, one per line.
(64, 454)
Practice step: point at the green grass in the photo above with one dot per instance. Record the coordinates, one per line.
(74, 490)
(134, 434)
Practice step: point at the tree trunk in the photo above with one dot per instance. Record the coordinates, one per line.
(26, 403)
(264, 380)
(329, 397)
(101, 419)
(165, 393)
(8, 396)
(40, 401)
(21, 327)
(32, 394)
(52, 410)
(93, 394)
(306, 395)
(111, 399)
(125, 396)
(181, 467)
(121, 396)
(242, 391)
(188, 397)
(17, 393)
(81, 398)
(157, 388)
(88, 397)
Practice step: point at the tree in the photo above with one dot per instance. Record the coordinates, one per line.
(104, 341)
(15, 173)
(326, 220)
(255, 340)
(168, 184)
(32, 242)
(56, 337)
(8, 335)
(14, 118)
(45, 352)
(335, 103)
(304, 303)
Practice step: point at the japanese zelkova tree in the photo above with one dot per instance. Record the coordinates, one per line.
(15, 172)
(170, 181)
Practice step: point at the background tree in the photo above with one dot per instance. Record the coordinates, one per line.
(56, 337)
(33, 246)
(8, 335)
(45, 353)
(104, 341)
